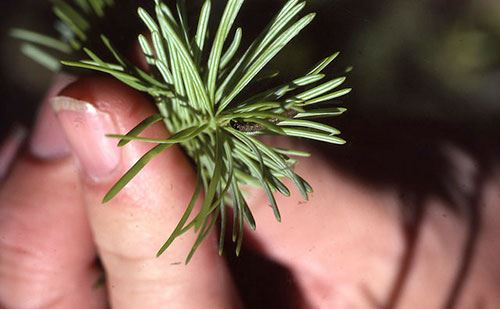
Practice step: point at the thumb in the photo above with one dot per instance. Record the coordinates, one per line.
(130, 229)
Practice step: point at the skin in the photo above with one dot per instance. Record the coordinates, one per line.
(343, 247)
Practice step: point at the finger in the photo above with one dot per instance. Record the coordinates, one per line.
(331, 243)
(46, 250)
(345, 246)
(131, 228)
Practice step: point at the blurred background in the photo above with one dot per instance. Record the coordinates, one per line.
(426, 79)
(428, 59)
(425, 74)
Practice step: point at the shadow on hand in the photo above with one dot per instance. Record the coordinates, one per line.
(422, 159)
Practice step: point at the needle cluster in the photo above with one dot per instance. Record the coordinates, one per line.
(197, 80)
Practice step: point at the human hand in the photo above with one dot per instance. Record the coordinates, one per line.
(341, 247)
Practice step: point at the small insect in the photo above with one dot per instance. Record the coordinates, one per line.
(254, 127)
(246, 126)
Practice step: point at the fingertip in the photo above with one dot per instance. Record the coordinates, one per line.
(143, 209)
(93, 108)
(109, 95)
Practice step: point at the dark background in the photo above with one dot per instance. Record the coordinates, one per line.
(432, 59)
(426, 79)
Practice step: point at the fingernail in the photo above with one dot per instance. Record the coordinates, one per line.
(85, 128)
(10, 148)
(48, 141)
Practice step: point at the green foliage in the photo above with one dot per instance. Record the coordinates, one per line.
(198, 83)
(74, 25)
